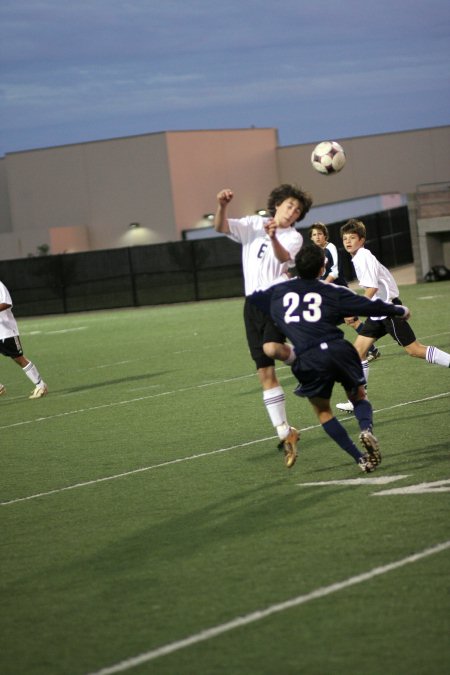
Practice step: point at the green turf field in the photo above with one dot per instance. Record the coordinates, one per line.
(148, 524)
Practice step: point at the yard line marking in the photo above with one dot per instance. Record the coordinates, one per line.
(104, 406)
(180, 459)
(381, 480)
(134, 471)
(125, 402)
(418, 489)
(258, 615)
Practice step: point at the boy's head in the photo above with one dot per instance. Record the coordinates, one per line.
(354, 226)
(318, 233)
(353, 235)
(287, 191)
(309, 261)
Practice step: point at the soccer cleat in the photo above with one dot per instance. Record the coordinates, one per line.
(373, 355)
(290, 447)
(2, 389)
(366, 464)
(39, 391)
(370, 442)
(345, 407)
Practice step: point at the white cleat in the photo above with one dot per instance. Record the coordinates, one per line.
(2, 389)
(39, 391)
(345, 407)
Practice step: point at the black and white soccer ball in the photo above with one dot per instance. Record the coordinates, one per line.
(328, 157)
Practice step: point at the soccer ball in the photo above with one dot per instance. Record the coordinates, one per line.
(328, 157)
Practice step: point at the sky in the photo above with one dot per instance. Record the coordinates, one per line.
(315, 70)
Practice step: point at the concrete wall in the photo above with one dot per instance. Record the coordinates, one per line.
(84, 196)
(203, 162)
(383, 163)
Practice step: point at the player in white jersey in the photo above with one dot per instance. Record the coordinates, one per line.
(318, 233)
(269, 247)
(10, 345)
(378, 282)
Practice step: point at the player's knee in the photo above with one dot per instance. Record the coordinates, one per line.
(274, 350)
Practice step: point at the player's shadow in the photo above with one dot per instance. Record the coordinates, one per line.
(109, 383)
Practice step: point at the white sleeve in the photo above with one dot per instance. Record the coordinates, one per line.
(242, 229)
(370, 271)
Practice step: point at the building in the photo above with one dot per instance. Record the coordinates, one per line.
(153, 188)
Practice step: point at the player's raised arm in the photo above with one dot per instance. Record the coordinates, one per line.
(224, 197)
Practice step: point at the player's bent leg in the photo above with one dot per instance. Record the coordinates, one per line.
(334, 429)
(364, 414)
(274, 402)
(280, 351)
(416, 349)
(362, 345)
(429, 353)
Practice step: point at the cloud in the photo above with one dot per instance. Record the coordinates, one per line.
(128, 65)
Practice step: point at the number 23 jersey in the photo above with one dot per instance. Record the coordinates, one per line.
(307, 311)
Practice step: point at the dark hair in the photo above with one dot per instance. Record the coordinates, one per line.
(354, 226)
(287, 191)
(309, 261)
(321, 227)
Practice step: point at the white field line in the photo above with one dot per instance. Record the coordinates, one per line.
(189, 457)
(240, 621)
(125, 402)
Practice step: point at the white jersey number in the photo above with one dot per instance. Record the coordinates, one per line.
(309, 311)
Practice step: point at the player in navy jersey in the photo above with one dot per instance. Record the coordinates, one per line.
(308, 311)
(269, 246)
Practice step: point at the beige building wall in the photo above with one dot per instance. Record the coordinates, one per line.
(383, 163)
(203, 162)
(85, 196)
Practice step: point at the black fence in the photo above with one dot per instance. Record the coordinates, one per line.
(184, 271)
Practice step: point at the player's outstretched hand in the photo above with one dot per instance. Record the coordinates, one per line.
(407, 314)
(225, 196)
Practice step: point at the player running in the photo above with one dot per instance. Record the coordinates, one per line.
(308, 311)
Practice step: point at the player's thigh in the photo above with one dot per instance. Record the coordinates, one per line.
(401, 331)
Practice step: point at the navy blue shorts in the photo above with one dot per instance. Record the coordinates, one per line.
(319, 368)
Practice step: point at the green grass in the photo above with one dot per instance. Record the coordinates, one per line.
(144, 501)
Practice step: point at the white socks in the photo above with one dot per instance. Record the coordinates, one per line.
(32, 373)
(365, 367)
(274, 400)
(435, 355)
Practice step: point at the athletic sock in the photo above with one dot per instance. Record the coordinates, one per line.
(364, 414)
(438, 357)
(32, 373)
(365, 367)
(336, 431)
(275, 402)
